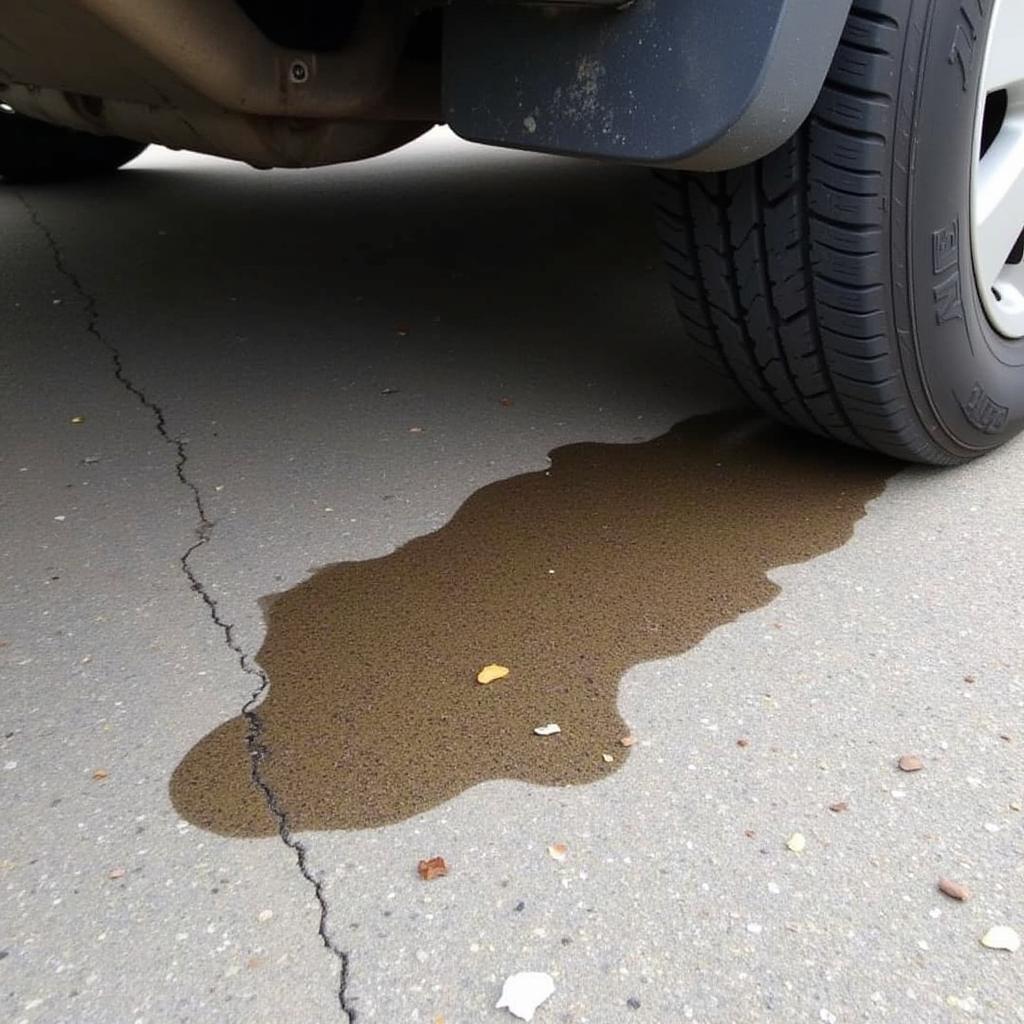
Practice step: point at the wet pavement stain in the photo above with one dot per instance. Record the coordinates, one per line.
(617, 554)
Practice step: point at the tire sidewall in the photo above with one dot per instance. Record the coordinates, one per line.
(967, 380)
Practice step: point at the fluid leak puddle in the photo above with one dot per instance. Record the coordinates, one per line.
(618, 554)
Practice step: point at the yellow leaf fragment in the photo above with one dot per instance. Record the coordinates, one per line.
(489, 673)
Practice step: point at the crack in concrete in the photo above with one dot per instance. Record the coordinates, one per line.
(203, 533)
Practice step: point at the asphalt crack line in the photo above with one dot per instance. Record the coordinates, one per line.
(203, 533)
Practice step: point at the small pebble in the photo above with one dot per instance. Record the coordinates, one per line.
(954, 890)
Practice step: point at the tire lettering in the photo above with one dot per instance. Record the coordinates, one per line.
(963, 50)
(946, 267)
(946, 248)
(948, 305)
(983, 412)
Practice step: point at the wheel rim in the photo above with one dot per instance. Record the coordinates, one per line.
(997, 181)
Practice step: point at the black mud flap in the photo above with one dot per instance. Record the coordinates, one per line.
(700, 84)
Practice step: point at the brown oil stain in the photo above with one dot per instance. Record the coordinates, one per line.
(617, 554)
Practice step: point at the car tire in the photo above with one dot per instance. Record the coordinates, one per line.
(846, 282)
(34, 151)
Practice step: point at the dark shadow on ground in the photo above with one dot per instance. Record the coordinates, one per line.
(615, 555)
(459, 264)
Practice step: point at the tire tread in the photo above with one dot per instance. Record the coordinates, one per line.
(780, 269)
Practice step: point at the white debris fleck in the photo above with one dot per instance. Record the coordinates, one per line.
(957, 1003)
(548, 730)
(530, 123)
(522, 993)
(797, 842)
(1001, 936)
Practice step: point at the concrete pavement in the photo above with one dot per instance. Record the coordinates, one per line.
(217, 381)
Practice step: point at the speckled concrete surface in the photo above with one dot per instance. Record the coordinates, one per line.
(333, 349)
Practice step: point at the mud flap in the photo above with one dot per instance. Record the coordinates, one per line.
(702, 84)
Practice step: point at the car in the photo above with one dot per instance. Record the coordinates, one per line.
(839, 185)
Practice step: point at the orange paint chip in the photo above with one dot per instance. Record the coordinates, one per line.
(558, 851)
(100, 774)
(433, 868)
